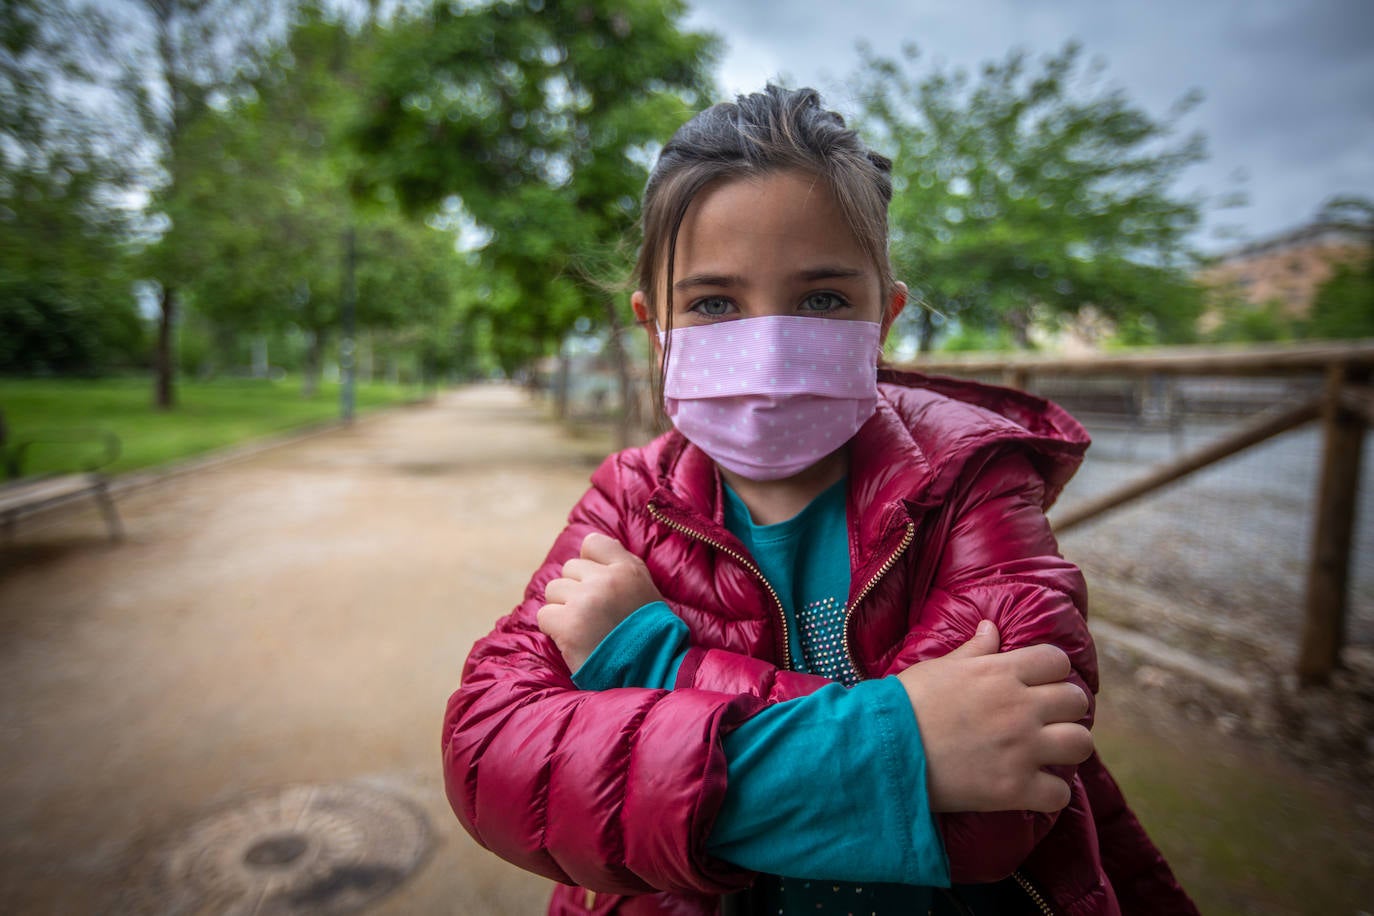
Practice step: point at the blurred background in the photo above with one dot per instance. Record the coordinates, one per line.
(314, 321)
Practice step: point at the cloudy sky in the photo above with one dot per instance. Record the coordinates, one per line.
(1288, 86)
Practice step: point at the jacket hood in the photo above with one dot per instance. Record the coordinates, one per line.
(940, 424)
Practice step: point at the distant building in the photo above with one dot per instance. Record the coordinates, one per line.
(1287, 268)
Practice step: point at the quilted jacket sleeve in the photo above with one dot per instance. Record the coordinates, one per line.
(733, 672)
(1001, 562)
(615, 791)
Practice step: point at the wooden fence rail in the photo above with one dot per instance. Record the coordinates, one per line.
(1345, 409)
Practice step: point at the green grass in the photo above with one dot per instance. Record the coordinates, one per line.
(1246, 833)
(208, 415)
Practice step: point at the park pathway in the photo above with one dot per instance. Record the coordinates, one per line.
(295, 619)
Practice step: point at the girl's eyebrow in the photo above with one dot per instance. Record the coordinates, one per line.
(827, 272)
(810, 275)
(708, 280)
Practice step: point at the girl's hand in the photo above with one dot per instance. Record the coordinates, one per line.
(597, 591)
(991, 722)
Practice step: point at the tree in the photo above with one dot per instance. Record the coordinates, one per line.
(1030, 193)
(66, 304)
(187, 54)
(541, 118)
(267, 204)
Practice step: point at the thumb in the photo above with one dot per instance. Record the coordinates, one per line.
(603, 548)
(985, 641)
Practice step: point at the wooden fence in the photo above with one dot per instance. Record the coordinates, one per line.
(1340, 397)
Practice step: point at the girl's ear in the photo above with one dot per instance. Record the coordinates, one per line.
(640, 304)
(895, 303)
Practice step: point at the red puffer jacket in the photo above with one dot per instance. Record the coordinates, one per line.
(614, 793)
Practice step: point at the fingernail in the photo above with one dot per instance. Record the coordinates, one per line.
(984, 627)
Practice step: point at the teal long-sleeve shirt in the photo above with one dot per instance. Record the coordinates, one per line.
(821, 789)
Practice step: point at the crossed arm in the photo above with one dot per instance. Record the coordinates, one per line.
(618, 790)
(1014, 712)
(1020, 714)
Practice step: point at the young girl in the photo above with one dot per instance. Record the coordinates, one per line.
(759, 670)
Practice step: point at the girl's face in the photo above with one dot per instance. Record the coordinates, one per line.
(777, 244)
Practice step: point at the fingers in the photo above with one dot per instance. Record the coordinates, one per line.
(1064, 744)
(547, 618)
(578, 568)
(560, 591)
(603, 549)
(1061, 702)
(984, 641)
(1042, 664)
(1047, 793)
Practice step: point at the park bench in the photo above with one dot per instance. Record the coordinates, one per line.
(21, 496)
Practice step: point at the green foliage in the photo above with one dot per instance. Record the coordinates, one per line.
(1032, 190)
(1344, 307)
(169, 71)
(973, 339)
(265, 211)
(1245, 322)
(540, 119)
(66, 304)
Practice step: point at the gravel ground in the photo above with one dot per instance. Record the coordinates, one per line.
(297, 618)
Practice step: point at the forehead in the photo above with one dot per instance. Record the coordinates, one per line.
(766, 222)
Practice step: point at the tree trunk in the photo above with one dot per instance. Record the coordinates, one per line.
(561, 381)
(164, 369)
(925, 330)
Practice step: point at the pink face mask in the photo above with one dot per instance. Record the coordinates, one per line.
(769, 397)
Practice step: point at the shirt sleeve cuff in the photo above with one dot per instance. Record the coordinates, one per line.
(644, 650)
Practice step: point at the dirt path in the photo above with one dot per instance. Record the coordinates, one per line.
(300, 617)
(278, 628)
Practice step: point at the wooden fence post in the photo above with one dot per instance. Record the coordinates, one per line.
(1015, 377)
(1323, 633)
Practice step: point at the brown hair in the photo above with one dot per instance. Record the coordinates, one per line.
(770, 131)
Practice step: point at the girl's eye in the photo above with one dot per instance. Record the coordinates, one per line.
(712, 307)
(823, 302)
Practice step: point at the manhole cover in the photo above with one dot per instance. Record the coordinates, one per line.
(304, 849)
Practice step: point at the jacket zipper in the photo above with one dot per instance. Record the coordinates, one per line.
(882, 571)
(747, 564)
(1031, 892)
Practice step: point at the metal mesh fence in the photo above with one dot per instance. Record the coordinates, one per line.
(1218, 561)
